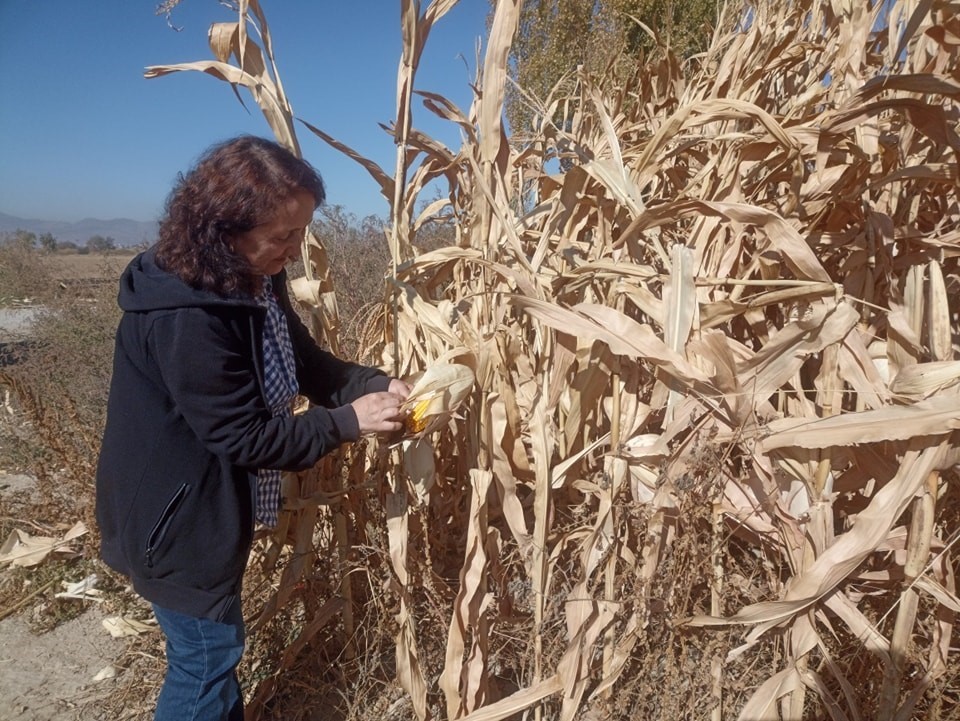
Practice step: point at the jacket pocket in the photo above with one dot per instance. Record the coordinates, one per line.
(160, 528)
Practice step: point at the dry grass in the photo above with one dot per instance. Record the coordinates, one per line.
(708, 466)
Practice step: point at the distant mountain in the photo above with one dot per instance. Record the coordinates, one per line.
(123, 230)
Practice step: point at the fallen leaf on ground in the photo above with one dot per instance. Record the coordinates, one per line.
(22, 549)
(119, 626)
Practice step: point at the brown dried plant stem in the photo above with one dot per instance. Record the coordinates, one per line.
(9, 610)
(610, 571)
(541, 520)
(819, 534)
(716, 606)
(346, 584)
(919, 539)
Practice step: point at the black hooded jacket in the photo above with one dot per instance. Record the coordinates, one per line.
(188, 426)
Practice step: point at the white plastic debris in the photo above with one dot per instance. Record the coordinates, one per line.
(84, 590)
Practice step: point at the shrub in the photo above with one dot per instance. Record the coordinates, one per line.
(22, 275)
(57, 384)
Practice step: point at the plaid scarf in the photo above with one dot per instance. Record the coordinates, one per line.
(280, 387)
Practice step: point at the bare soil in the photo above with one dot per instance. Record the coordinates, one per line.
(51, 676)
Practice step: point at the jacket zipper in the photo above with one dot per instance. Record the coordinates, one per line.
(159, 529)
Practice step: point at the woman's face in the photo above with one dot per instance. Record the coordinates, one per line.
(269, 246)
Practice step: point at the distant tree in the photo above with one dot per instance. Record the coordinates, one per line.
(372, 226)
(99, 244)
(555, 37)
(20, 239)
(336, 223)
(67, 245)
(48, 242)
(360, 262)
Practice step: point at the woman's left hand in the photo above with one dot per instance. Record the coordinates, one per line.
(399, 387)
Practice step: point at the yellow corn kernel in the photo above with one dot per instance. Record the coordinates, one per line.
(416, 421)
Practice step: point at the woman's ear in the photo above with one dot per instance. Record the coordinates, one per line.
(229, 240)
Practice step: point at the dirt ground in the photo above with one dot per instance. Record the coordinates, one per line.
(52, 676)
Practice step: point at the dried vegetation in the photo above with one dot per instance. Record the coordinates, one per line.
(708, 467)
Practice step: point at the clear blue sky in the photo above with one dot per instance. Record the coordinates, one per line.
(84, 135)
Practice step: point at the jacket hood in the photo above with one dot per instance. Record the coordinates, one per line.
(144, 286)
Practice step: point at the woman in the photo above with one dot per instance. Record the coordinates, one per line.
(209, 355)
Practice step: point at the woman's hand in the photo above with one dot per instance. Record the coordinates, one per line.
(401, 388)
(379, 412)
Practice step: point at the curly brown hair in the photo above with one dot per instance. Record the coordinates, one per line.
(235, 186)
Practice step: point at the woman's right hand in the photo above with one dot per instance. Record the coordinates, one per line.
(379, 412)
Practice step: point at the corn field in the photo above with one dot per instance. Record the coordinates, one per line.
(706, 467)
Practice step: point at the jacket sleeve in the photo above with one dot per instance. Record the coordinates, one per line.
(206, 362)
(325, 379)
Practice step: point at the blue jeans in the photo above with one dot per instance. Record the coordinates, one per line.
(202, 656)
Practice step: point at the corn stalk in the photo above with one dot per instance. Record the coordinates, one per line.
(711, 300)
